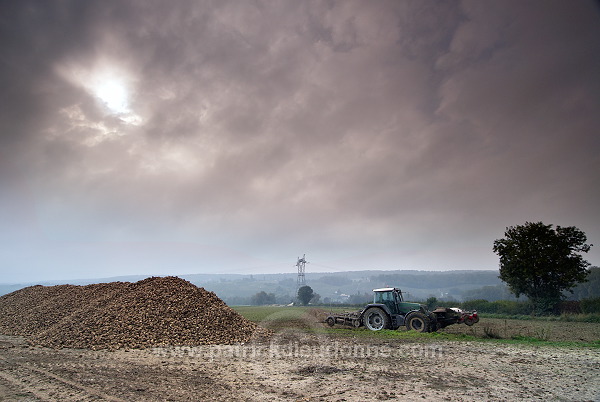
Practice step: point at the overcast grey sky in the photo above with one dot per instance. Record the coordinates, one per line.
(174, 137)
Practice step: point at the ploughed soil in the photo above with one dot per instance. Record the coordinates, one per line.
(295, 366)
(554, 331)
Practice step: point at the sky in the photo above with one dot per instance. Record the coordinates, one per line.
(176, 137)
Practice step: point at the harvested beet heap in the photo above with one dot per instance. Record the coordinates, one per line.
(151, 312)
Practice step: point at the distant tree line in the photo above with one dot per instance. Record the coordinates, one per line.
(436, 279)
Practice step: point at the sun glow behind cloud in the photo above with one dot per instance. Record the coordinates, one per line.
(110, 85)
(113, 93)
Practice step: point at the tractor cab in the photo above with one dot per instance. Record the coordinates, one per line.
(389, 297)
(392, 298)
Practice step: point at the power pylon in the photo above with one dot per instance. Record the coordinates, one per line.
(301, 265)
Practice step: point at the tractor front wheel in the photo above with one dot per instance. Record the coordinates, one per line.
(376, 319)
(418, 322)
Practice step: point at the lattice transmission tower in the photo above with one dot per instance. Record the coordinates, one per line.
(301, 265)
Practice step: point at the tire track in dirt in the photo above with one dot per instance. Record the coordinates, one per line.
(47, 386)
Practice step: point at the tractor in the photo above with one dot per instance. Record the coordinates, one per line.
(390, 311)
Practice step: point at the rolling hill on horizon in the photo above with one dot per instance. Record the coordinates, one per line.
(344, 287)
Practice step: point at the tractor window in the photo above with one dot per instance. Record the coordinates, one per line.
(383, 297)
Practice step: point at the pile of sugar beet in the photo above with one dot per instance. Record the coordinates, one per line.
(157, 311)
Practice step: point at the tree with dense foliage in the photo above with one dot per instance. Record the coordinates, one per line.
(305, 294)
(262, 298)
(541, 262)
(432, 303)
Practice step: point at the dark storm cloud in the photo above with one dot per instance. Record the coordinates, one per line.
(390, 134)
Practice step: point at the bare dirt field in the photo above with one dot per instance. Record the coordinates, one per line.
(296, 366)
(554, 331)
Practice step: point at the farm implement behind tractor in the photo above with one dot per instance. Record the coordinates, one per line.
(390, 311)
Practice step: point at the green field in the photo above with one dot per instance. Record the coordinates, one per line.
(488, 329)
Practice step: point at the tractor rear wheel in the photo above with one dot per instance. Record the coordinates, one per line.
(330, 321)
(376, 319)
(418, 322)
